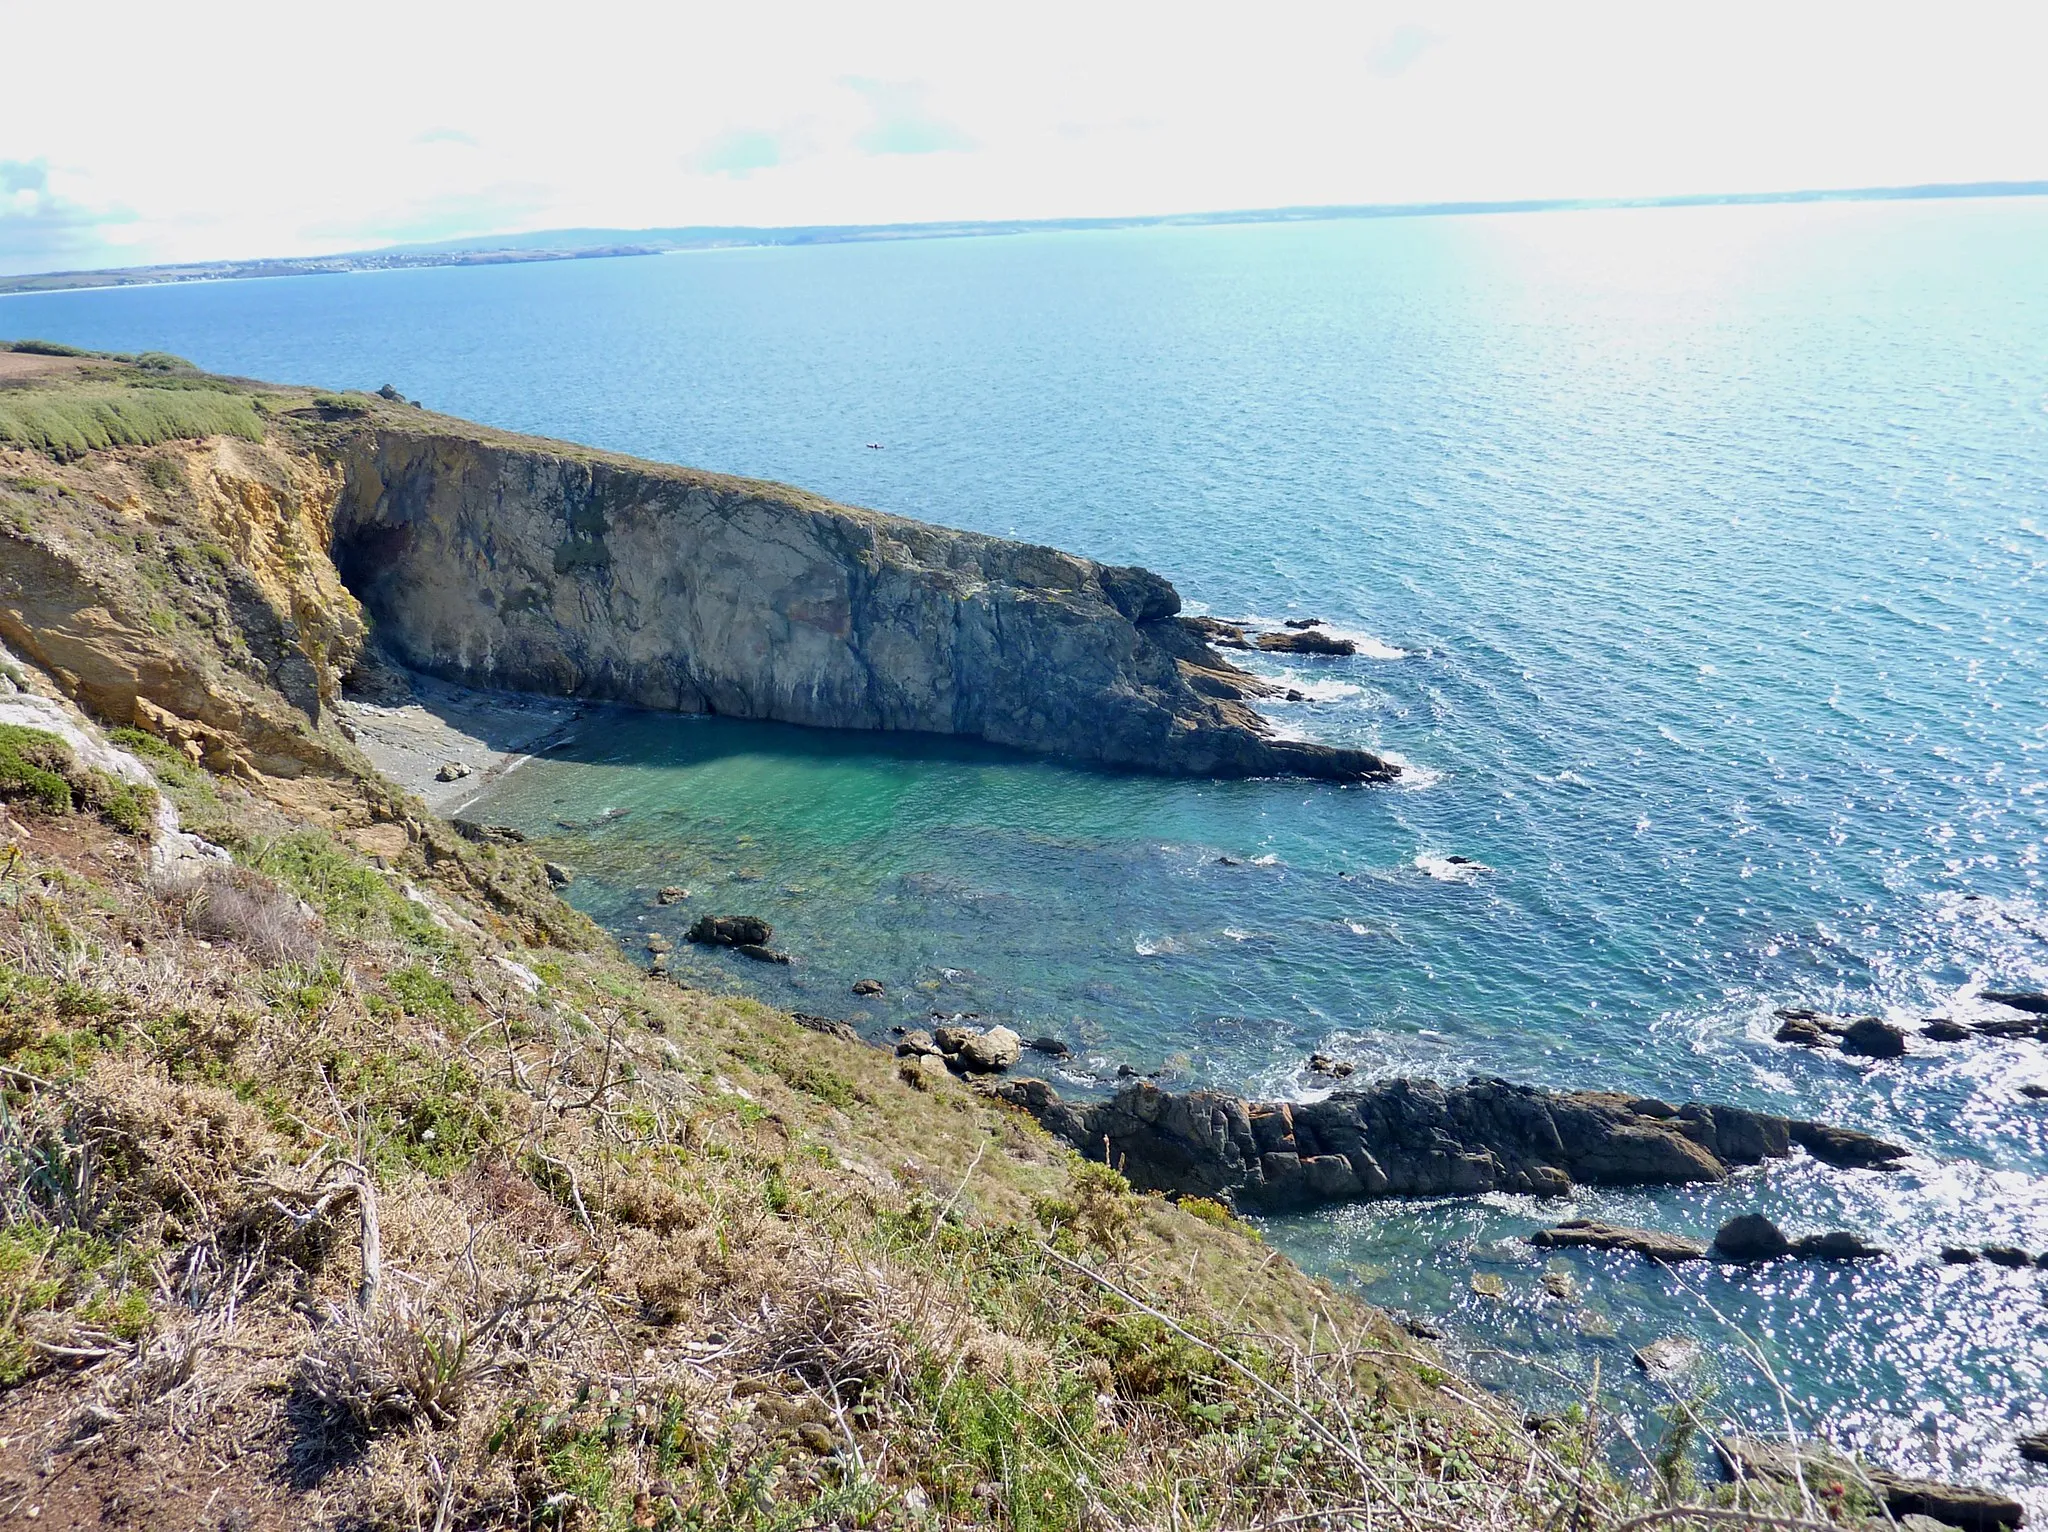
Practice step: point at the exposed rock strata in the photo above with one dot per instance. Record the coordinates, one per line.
(1415, 1138)
(500, 561)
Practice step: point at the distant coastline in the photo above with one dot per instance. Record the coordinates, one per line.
(596, 244)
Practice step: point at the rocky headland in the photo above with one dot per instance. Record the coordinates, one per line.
(494, 560)
(501, 561)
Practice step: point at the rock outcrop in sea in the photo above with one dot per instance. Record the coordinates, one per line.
(1415, 1138)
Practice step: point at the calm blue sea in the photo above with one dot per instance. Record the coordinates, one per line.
(1701, 562)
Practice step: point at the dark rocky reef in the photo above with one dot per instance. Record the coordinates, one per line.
(1415, 1138)
(495, 560)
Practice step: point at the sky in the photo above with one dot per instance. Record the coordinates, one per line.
(231, 130)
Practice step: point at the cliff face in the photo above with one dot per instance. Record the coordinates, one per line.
(501, 561)
(185, 589)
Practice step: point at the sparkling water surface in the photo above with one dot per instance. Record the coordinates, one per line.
(1697, 558)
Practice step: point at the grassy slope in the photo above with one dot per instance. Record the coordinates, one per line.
(416, 1204)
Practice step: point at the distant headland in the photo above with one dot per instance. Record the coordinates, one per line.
(591, 244)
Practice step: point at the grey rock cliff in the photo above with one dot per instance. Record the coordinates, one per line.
(497, 560)
(1415, 1138)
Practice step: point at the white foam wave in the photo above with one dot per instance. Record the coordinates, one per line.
(1157, 946)
(1413, 778)
(1450, 870)
(1370, 646)
(1324, 690)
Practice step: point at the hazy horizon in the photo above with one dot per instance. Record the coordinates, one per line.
(274, 135)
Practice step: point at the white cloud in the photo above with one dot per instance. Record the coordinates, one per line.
(270, 130)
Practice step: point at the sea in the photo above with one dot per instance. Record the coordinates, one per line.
(1697, 562)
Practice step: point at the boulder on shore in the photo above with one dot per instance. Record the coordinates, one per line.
(977, 1052)
(1836, 1245)
(1959, 1505)
(1751, 1237)
(1872, 1038)
(730, 931)
(1592, 1234)
(1416, 1138)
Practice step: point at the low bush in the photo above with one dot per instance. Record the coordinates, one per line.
(33, 768)
(39, 769)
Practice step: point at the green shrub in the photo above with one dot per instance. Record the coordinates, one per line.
(33, 766)
(1207, 1209)
(166, 474)
(828, 1085)
(146, 747)
(42, 348)
(433, 1115)
(424, 993)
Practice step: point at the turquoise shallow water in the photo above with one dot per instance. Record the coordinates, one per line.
(1701, 558)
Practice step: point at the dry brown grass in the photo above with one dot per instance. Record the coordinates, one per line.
(426, 1228)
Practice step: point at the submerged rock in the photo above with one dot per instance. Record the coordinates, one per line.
(674, 893)
(761, 952)
(730, 931)
(1669, 1357)
(1592, 1234)
(1051, 1047)
(1416, 1138)
(867, 987)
